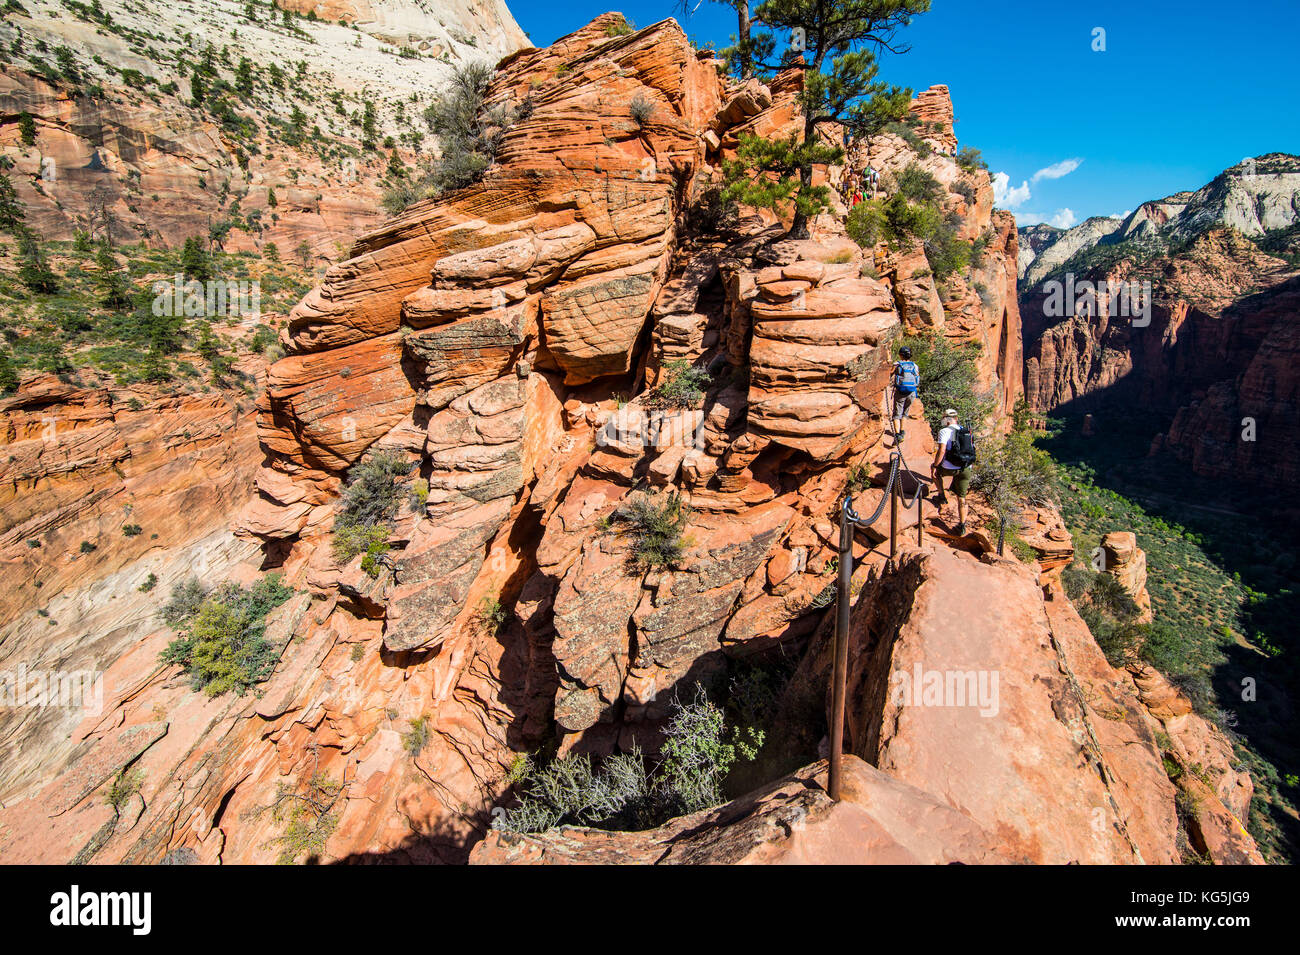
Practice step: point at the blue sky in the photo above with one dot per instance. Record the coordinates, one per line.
(1182, 90)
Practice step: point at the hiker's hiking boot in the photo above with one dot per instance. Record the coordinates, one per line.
(961, 530)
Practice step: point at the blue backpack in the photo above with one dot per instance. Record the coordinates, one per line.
(906, 377)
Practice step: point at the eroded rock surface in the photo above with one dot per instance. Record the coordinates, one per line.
(512, 340)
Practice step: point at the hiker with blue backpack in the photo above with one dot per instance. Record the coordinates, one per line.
(953, 458)
(907, 380)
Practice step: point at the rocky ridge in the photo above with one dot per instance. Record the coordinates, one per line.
(508, 340)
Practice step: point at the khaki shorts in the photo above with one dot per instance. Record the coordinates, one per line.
(960, 479)
(903, 403)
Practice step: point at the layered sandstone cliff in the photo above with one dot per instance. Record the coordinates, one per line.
(507, 341)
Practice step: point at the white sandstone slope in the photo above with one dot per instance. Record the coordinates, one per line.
(308, 98)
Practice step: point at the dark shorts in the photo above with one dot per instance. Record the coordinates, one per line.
(902, 402)
(960, 479)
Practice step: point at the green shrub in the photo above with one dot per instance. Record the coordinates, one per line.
(1011, 473)
(913, 212)
(915, 184)
(621, 27)
(964, 189)
(699, 752)
(656, 529)
(571, 790)
(370, 501)
(641, 109)
(222, 646)
(186, 598)
(950, 379)
(468, 132)
(866, 223)
(683, 386)
(124, 785)
(417, 737)
(1108, 595)
(309, 819)
(969, 158)
(628, 790)
(8, 374)
(491, 614)
(372, 560)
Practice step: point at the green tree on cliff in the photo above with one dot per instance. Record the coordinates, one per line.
(834, 45)
(195, 263)
(11, 207)
(747, 47)
(8, 374)
(1012, 474)
(27, 128)
(33, 269)
(113, 289)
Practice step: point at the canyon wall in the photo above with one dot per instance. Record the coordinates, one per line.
(513, 343)
(1215, 360)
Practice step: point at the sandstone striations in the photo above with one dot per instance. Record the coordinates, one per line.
(518, 346)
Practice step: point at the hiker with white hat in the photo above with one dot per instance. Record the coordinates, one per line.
(953, 459)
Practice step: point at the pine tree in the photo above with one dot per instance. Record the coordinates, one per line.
(27, 128)
(244, 76)
(8, 374)
(748, 48)
(12, 214)
(33, 270)
(195, 263)
(834, 44)
(113, 289)
(369, 127)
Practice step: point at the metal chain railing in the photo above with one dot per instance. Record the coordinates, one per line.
(850, 521)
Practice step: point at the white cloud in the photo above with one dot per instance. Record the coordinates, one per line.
(1057, 170)
(1063, 219)
(1120, 215)
(1005, 196)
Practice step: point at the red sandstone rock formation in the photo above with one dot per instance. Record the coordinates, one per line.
(507, 338)
(1127, 563)
(879, 821)
(981, 308)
